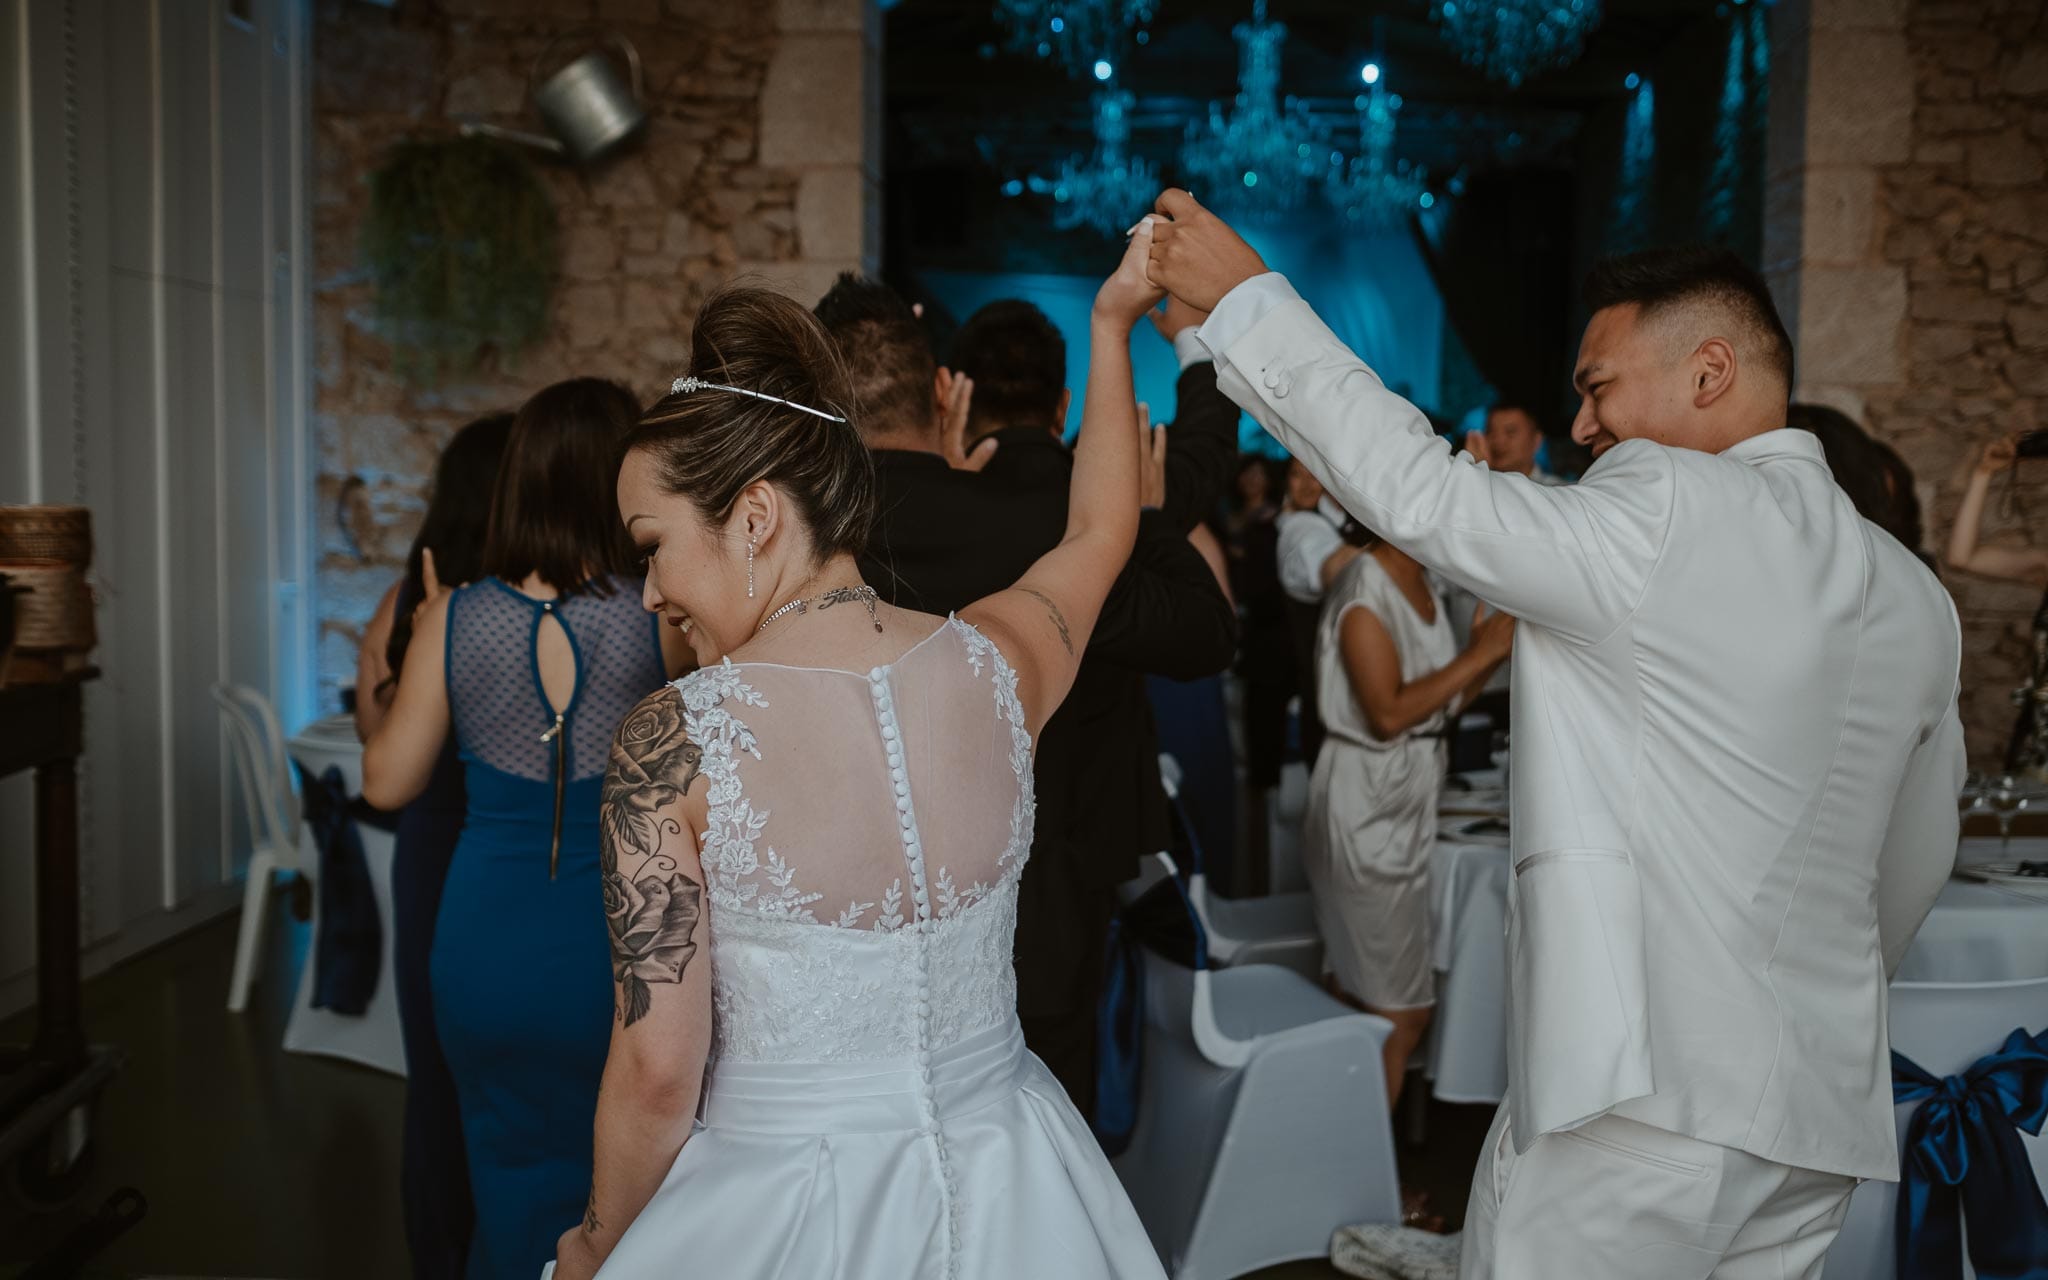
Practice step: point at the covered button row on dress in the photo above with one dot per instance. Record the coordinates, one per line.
(899, 782)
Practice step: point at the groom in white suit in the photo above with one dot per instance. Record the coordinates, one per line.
(1736, 760)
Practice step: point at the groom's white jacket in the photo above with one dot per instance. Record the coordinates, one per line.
(1736, 752)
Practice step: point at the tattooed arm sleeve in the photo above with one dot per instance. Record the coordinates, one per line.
(654, 913)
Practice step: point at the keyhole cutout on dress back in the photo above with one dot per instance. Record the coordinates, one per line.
(556, 659)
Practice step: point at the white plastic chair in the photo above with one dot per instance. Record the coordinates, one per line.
(1279, 928)
(1943, 1026)
(1262, 1126)
(272, 807)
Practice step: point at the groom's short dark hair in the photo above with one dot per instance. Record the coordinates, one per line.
(1018, 361)
(1667, 280)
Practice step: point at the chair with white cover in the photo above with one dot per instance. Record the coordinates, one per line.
(1262, 1125)
(272, 807)
(1279, 928)
(1944, 1027)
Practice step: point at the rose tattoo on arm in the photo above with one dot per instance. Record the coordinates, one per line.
(651, 908)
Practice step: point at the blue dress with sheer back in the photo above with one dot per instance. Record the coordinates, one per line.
(521, 962)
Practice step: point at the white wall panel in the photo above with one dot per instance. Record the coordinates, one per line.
(153, 338)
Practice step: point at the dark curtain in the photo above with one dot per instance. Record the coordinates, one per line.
(1503, 267)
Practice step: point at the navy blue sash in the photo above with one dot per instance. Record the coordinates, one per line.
(1964, 1159)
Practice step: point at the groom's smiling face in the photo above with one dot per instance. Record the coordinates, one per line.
(1629, 382)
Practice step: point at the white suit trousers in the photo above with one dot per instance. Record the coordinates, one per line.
(1618, 1200)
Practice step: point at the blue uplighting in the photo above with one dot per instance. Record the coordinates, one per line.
(1370, 73)
(1103, 70)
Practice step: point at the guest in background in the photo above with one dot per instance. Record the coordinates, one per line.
(2027, 751)
(1392, 681)
(1876, 478)
(1265, 655)
(433, 1179)
(946, 536)
(1312, 552)
(1512, 440)
(529, 669)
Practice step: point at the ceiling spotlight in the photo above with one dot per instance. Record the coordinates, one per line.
(1103, 70)
(1370, 73)
(1632, 82)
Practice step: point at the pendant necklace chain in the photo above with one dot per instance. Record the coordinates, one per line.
(825, 600)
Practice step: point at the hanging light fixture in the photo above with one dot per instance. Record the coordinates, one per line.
(1077, 34)
(1268, 154)
(1376, 189)
(1107, 189)
(1512, 39)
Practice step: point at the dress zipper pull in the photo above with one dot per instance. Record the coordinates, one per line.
(554, 734)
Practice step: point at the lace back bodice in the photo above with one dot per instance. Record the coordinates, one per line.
(863, 842)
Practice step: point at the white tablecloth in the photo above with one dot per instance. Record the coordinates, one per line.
(1977, 932)
(1468, 1056)
(1980, 931)
(374, 1039)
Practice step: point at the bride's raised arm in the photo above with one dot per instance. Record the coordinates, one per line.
(1042, 623)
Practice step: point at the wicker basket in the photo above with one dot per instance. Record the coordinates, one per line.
(62, 534)
(52, 605)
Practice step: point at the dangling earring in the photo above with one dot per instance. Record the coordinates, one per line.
(750, 568)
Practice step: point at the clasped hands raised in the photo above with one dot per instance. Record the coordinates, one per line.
(1180, 248)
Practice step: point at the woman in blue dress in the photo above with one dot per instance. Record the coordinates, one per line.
(529, 669)
(433, 1175)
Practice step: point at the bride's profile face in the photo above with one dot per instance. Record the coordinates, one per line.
(696, 571)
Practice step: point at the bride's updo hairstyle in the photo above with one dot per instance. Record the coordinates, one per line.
(708, 445)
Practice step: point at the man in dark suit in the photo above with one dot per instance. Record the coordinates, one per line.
(955, 525)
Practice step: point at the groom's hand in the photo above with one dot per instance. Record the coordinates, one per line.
(1196, 257)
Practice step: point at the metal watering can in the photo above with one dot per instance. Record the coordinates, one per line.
(587, 108)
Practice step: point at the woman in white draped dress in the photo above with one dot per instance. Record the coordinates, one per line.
(812, 851)
(1389, 678)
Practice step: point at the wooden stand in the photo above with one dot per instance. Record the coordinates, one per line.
(48, 1088)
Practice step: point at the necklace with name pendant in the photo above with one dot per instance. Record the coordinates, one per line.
(825, 600)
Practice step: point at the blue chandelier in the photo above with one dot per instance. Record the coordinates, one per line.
(1081, 35)
(1376, 190)
(1511, 40)
(1108, 189)
(1268, 155)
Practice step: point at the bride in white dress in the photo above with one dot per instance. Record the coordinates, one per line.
(812, 846)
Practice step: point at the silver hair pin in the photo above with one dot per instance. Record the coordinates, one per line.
(681, 385)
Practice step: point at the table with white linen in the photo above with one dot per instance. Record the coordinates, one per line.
(1981, 931)
(1976, 932)
(375, 1038)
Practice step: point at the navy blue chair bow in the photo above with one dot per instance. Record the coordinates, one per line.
(1963, 1159)
(348, 951)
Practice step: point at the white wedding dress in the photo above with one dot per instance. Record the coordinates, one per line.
(870, 1111)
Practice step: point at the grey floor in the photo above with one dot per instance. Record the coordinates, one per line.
(259, 1163)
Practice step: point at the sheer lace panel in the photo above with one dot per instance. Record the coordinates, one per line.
(494, 694)
(863, 801)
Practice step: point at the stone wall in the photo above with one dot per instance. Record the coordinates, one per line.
(762, 157)
(1907, 239)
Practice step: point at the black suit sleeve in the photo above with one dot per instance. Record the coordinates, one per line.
(1201, 447)
(1165, 615)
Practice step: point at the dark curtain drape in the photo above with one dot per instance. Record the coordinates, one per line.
(1503, 266)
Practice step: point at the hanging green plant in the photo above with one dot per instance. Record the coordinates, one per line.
(460, 244)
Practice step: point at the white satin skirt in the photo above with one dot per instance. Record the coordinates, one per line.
(982, 1170)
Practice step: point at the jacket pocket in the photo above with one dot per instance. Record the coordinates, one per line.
(1579, 1012)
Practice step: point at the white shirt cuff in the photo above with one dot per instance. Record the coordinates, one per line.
(1188, 348)
(1240, 310)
